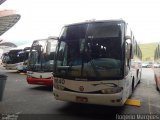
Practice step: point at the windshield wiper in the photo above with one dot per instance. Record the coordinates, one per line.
(91, 62)
(95, 68)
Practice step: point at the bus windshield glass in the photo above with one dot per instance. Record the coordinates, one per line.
(42, 55)
(13, 57)
(90, 51)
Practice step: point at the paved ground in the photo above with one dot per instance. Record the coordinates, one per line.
(37, 102)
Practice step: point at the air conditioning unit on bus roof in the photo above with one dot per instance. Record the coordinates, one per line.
(90, 20)
(53, 37)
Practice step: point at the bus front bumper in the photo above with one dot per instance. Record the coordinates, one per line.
(40, 81)
(99, 99)
(11, 67)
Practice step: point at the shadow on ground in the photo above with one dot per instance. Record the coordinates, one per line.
(91, 112)
(42, 88)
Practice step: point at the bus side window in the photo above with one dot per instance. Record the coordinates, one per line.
(128, 55)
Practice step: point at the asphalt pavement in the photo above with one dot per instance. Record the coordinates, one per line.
(24, 101)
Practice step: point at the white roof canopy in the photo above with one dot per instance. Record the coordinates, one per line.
(1, 1)
(8, 18)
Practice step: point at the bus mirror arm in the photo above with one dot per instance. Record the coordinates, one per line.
(128, 37)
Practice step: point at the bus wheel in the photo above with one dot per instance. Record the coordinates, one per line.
(139, 78)
(132, 88)
(157, 88)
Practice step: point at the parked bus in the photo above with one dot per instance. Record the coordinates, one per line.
(157, 67)
(13, 59)
(40, 63)
(97, 62)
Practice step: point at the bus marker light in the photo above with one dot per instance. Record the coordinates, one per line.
(133, 102)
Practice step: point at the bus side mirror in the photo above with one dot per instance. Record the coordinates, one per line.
(128, 47)
(48, 48)
(129, 56)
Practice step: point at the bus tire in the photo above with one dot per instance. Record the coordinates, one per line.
(139, 81)
(156, 83)
(132, 88)
(157, 87)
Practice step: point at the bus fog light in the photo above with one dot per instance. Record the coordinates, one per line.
(112, 90)
(29, 72)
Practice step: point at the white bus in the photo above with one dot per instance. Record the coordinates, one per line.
(40, 62)
(13, 59)
(96, 62)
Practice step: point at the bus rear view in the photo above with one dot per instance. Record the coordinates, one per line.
(92, 63)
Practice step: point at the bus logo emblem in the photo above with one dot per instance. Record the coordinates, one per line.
(81, 88)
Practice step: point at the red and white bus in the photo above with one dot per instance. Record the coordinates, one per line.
(40, 62)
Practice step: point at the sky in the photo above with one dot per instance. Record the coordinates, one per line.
(43, 18)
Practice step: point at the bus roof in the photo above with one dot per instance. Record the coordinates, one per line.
(21, 47)
(44, 39)
(97, 21)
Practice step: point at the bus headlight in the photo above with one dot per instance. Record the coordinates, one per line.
(29, 72)
(59, 87)
(112, 90)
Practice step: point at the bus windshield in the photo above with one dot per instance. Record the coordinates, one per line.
(90, 51)
(42, 55)
(13, 57)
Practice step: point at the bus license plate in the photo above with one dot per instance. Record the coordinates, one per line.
(81, 99)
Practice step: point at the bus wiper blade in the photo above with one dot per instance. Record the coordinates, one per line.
(94, 68)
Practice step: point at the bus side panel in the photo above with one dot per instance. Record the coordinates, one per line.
(157, 77)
